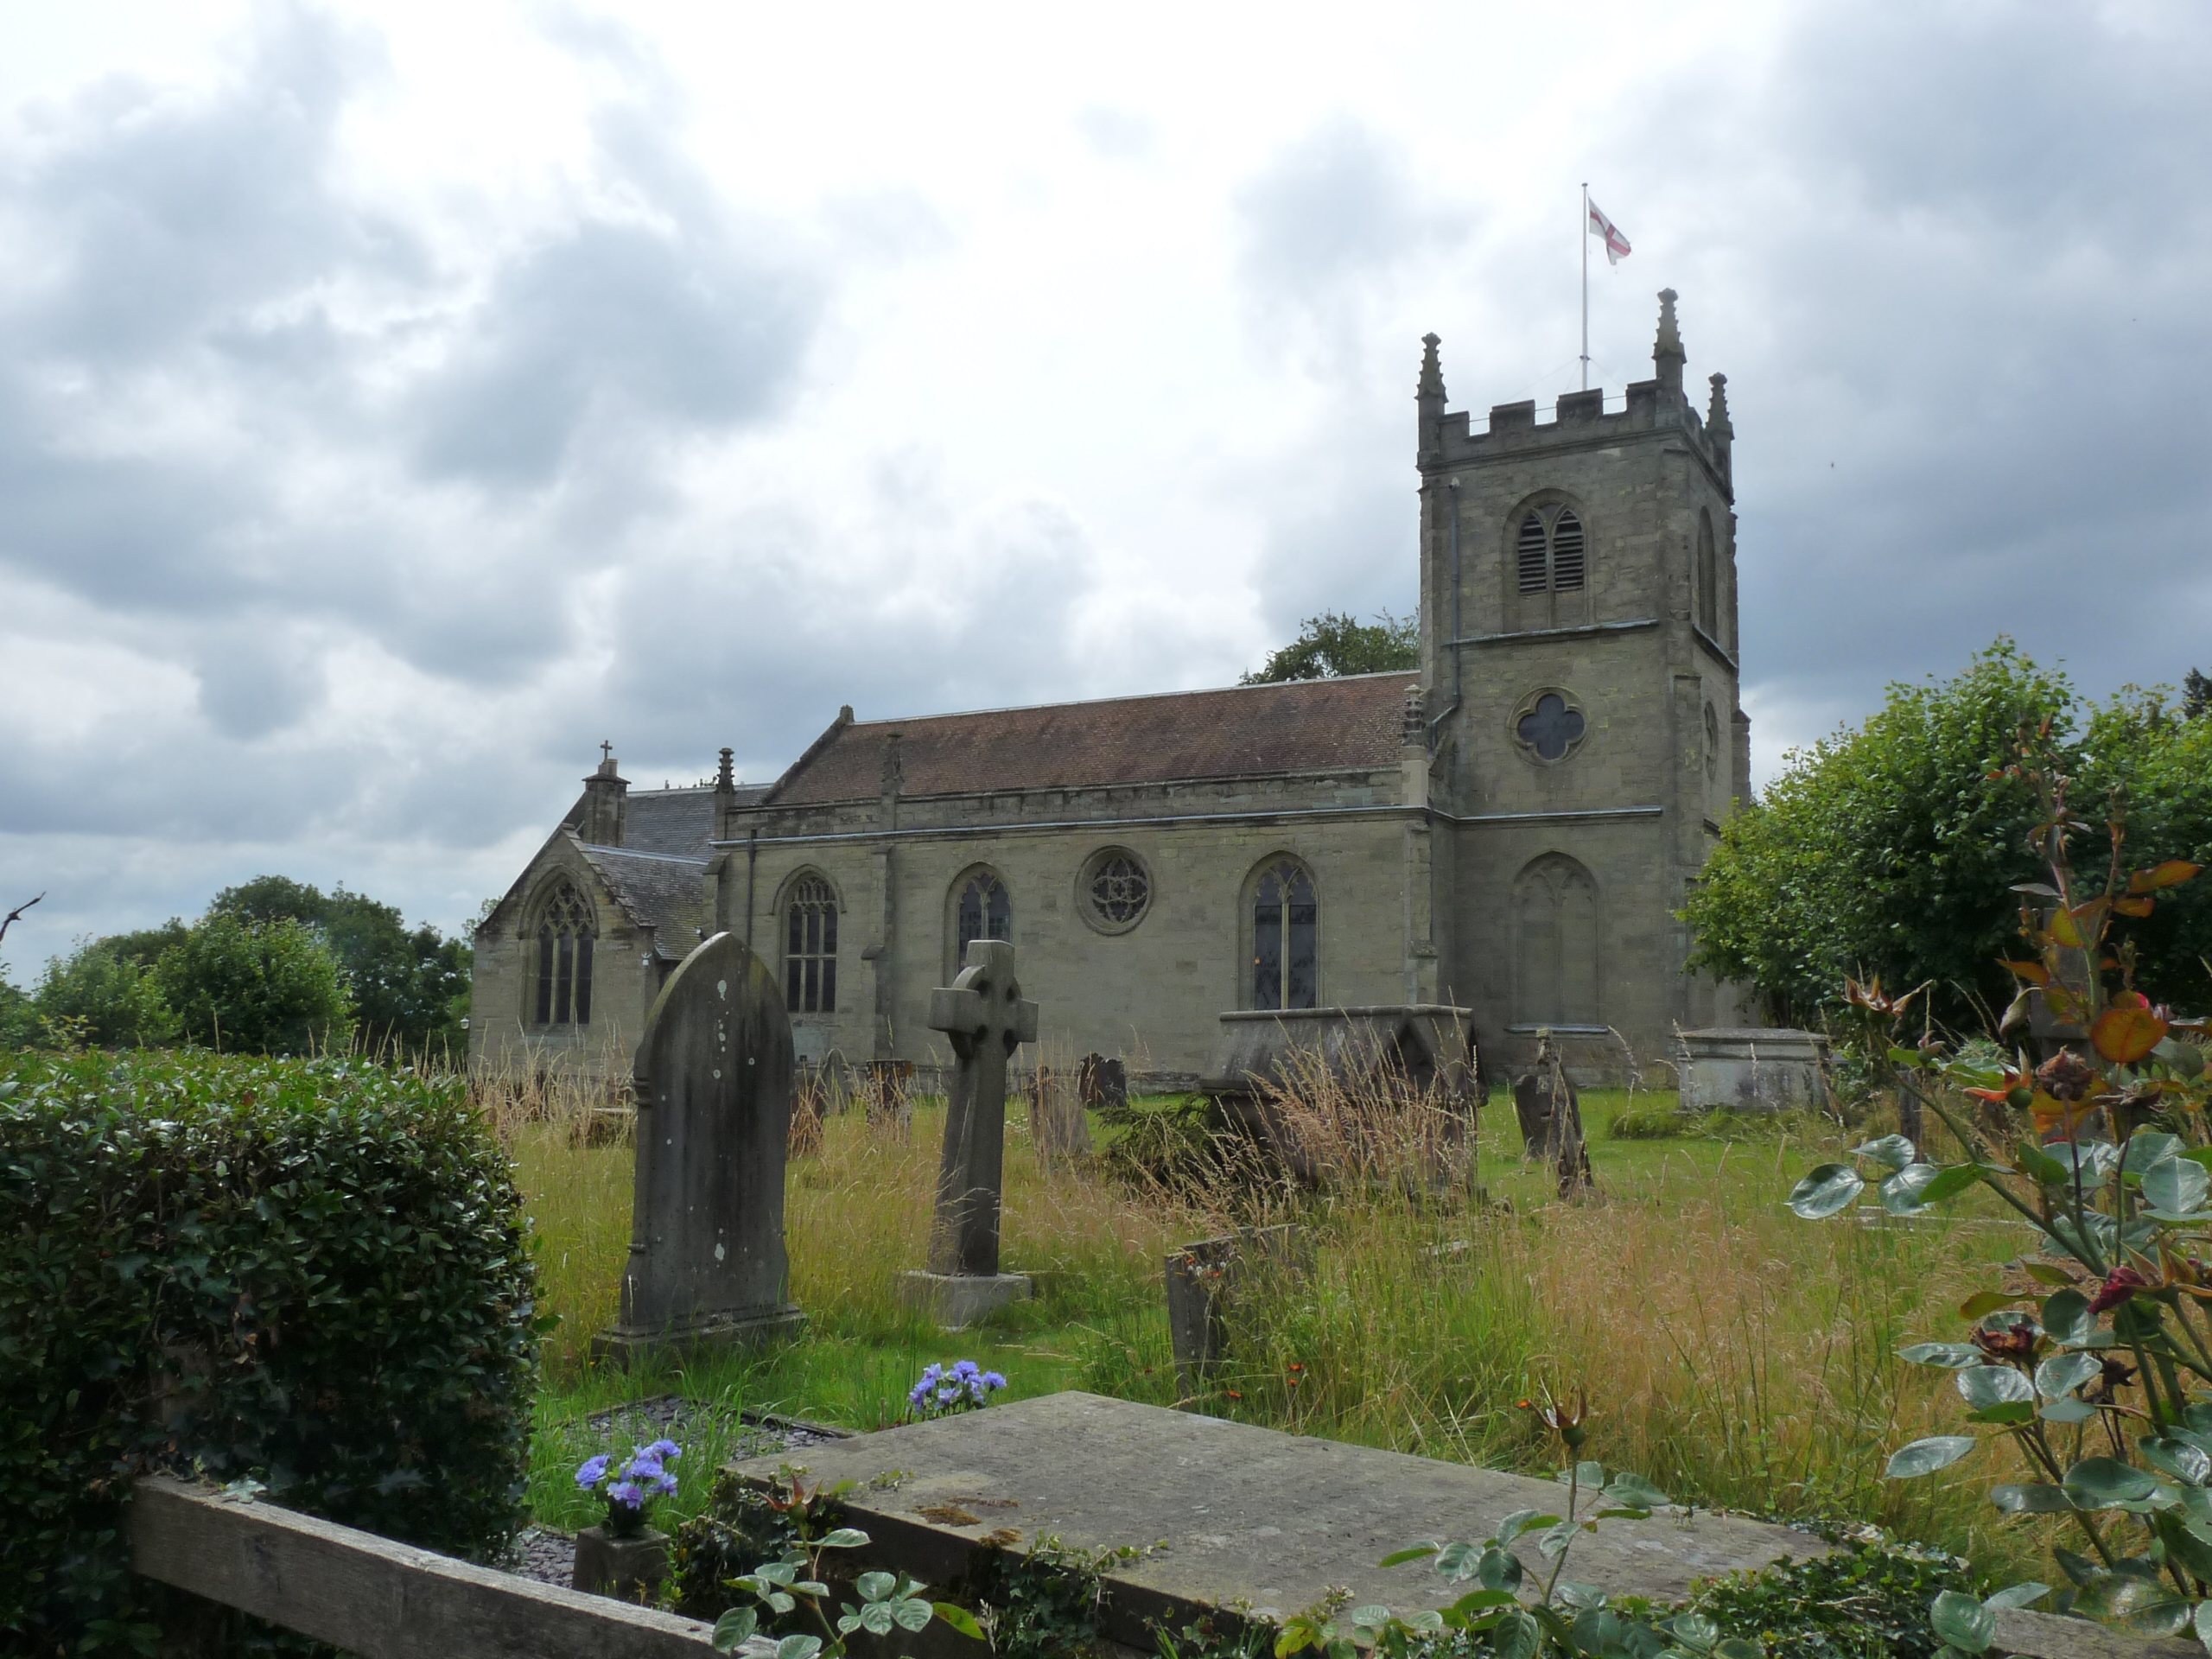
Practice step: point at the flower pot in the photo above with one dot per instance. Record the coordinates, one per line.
(630, 1568)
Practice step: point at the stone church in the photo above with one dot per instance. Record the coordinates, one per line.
(1511, 828)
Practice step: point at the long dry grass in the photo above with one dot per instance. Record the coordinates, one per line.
(1734, 1354)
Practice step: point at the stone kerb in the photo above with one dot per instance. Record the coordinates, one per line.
(1748, 1070)
(713, 1073)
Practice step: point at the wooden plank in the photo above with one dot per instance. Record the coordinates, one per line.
(378, 1599)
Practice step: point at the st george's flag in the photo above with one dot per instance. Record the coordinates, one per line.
(1615, 243)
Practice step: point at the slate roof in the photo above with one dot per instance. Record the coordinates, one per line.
(679, 823)
(666, 894)
(1302, 726)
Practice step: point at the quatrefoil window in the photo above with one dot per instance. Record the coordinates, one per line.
(1117, 890)
(1548, 725)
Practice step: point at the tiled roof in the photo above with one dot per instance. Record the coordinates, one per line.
(668, 895)
(1301, 726)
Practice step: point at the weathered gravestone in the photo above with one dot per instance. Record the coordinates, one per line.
(713, 1082)
(982, 1014)
(1551, 1119)
(1102, 1085)
(1752, 1071)
(1204, 1279)
(1057, 1125)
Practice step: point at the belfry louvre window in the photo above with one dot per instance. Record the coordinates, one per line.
(1285, 921)
(810, 949)
(1549, 551)
(564, 937)
(985, 913)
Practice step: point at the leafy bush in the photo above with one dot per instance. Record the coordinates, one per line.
(110, 1000)
(271, 987)
(1336, 643)
(1859, 1599)
(314, 1275)
(408, 989)
(1649, 1124)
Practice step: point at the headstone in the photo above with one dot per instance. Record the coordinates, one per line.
(1204, 1279)
(1058, 1126)
(983, 1015)
(1551, 1119)
(1102, 1084)
(1752, 1071)
(887, 1093)
(714, 1084)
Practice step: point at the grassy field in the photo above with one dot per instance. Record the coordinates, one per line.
(1736, 1355)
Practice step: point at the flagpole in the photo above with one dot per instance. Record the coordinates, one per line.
(1585, 284)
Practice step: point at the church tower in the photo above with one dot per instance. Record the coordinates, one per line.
(1585, 734)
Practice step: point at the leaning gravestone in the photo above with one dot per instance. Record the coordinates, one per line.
(1204, 1279)
(983, 1013)
(713, 1082)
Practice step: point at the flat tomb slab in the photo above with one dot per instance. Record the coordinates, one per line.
(1247, 1515)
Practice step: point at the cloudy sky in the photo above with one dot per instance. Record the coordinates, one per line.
(396, 400)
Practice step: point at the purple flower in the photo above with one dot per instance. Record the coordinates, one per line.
(666, 1451)
(627, 1493)
(592, 1471)
(965, 1370)
(993, 1380)
(644, 1467)
(665, 1484)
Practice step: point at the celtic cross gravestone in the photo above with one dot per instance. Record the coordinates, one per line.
(982, 1014)
(714, 1084)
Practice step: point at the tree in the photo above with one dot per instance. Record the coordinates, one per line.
(273, 987)
(2196, 696)
(1333, 644)
(113, 1000)
(403, 984)
(1892, 849)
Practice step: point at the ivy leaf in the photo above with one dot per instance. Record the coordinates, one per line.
(1926, 1457)
(875, 1586)
(1828, 1189)
(911, 1613)
(798, 1647)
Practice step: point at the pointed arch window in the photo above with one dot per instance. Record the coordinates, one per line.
(1285, 926)
(1550, 551)
(1708, 578)
(810, 947)
(565, 931)
(1555, 944)
(985, 913)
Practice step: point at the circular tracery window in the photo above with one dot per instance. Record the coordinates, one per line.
(1115, 889)
(1547, 725)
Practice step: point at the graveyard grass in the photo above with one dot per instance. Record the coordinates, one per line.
(1737, 1355)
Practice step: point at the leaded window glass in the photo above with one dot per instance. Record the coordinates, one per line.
(986, 913)
(1285, 929)
(564, 941)
(810, 949)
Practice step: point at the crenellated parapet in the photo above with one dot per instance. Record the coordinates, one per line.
(1658, 405)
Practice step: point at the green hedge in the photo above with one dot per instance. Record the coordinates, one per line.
(311, 1273)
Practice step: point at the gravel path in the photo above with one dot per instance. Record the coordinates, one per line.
(550, 1557)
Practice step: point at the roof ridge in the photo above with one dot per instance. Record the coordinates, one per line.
(1137, 696)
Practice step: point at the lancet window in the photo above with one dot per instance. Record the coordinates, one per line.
(810, 949)
(986, 913)
(1286, 925)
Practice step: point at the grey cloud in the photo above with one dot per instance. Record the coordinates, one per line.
(613, 316)
(1335, 208)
